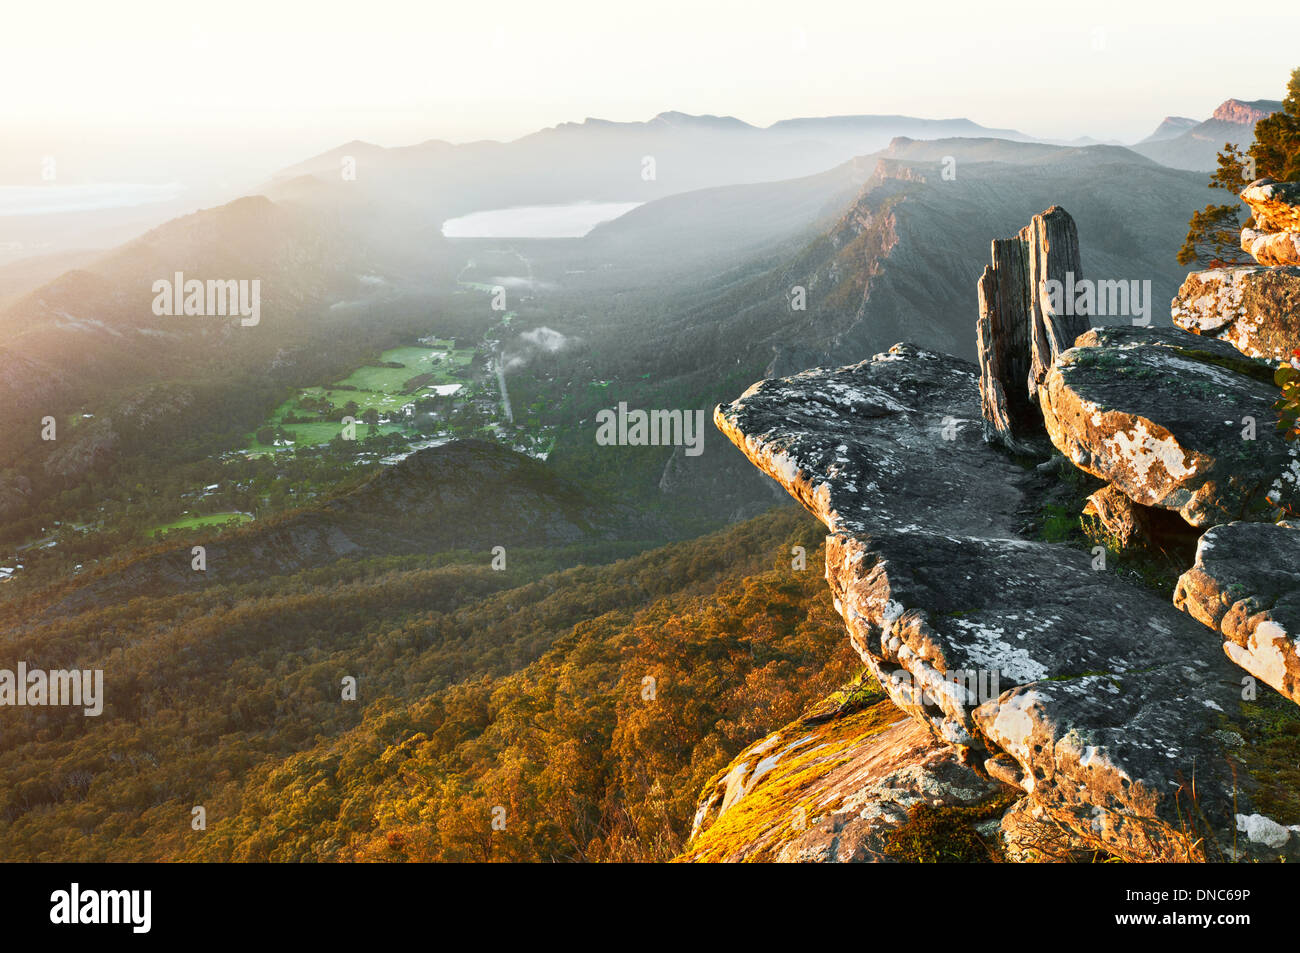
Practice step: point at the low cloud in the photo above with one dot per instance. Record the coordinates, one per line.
(528, 345)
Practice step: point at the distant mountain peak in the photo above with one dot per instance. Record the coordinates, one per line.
(680, 119)
(1236, 110)
(1172, 126)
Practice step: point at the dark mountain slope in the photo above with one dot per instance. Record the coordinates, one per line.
(901, 261)
(1170, 127)
(465, 495)
(725, 223)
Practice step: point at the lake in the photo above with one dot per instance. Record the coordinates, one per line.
(536, 221)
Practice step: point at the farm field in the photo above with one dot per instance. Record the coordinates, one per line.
(197, 521)
(400, 376)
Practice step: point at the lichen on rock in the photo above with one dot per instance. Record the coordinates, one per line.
(1256, 308)
(832, 787)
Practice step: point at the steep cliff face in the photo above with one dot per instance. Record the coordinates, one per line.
(1234, 110)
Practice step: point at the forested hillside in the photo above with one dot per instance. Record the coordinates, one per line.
(476, 689)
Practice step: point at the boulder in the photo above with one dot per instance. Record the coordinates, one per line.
(1105, 696)
(1173, 421)
(1274, 205)
(1256, 308)
(1246, 585)
(1029, 835)
(1272, 248)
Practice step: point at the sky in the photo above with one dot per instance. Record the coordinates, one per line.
(144, 91)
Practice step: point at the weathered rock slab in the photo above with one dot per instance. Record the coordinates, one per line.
(1102, 688)
(1172, 420)
(1255, 308)
(1246, 585)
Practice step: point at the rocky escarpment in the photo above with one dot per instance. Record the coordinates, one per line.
(1234, 110)
(1098, 699)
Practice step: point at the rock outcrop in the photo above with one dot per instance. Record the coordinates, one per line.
(1256, 308)
(1019, 333)
(1173, 421)
(1234, 110)
(1030, 665)
(1275, 206)
(1002, 342)
(1098, 699)
(1246, 585)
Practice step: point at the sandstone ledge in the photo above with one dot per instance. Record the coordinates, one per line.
(1271, 248)
(1108, 696)
(1274, 205)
